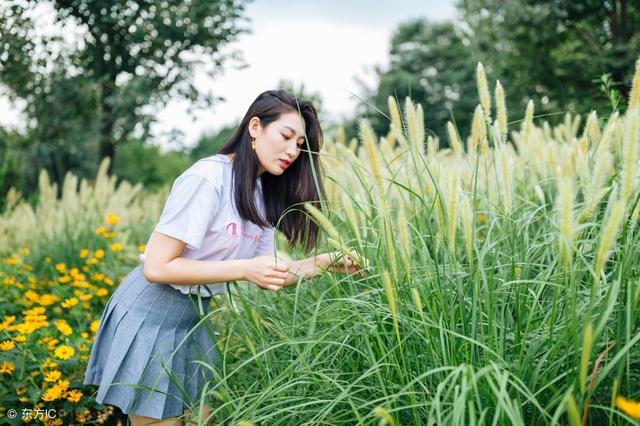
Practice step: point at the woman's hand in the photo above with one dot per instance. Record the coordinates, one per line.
(338, 262)
(263, 272)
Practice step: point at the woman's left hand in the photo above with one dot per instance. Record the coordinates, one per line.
(338, 262)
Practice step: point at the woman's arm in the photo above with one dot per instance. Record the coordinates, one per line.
(309, 268)
(313, 266)
(164, 266)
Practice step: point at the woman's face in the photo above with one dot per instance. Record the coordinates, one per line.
(279, 143)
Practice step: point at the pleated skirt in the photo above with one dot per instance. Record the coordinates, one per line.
(145, 355)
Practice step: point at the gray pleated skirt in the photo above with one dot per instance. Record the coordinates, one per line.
(145, 354)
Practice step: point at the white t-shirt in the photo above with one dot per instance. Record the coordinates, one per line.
(201, 211)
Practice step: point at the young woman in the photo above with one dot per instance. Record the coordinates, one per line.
(217, 225)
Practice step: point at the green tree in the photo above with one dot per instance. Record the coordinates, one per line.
(428, 62)
(553, 51)
(134, 55)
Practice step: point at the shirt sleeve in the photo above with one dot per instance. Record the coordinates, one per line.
(266, 244)
(189, 211)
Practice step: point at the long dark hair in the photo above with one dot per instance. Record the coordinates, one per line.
(296, 185)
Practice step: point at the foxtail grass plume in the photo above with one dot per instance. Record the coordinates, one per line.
(586, 354)
(394, 111)
(591, 132)
(483, 92)
(634, 96)
(403, 230)
(391, 297)
(478, 131)
(609, 233)
(501, 111)
(385, 417)
(630, 151)
(454, 140)
(527, 123)
(564, 204)
(506, 179)
(371, 150)
(352, 217)
(467, 227)
(417, 302)
(411, 122)
(322, 220)
(572, 411)
(452, 188)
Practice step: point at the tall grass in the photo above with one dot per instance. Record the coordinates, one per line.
(503, 284)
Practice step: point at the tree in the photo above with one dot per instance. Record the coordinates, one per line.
(429, 63)
(553, 51)
(134, 55)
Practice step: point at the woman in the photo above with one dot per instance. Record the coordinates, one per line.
(217, 225)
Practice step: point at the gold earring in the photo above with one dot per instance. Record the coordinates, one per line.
(253, 144)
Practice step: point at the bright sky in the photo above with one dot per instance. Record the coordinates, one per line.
(323, 45)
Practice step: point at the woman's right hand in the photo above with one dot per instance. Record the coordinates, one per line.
(263, 272)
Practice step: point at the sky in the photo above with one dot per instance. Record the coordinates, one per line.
(323, 45)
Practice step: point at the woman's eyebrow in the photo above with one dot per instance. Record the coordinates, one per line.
(294, 132)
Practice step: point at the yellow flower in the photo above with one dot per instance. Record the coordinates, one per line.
(73, 272)
(85, 297)
(13, 260)
(142, 248)
(21, 390)
(25, 251)
(61, 267)
(63, 385)
(100, 230)
(112, 219)
(38, 310)
(92, 261)
(99, 254)
(52, 376)
(69, 302)
(64, 352)
(94, 325)
(20, 339)
(47, 259)
(32, 296)
(64, 279)
(49, 364)
(7, 345)
(6, 368)
(109, 234)
(74, 395)
(48, 299)
(102, 292)
(51, 394)
(63, 327)
(632, 408)
(116, 247)
(84, 335)
(23, 399)
(84, 252)
(108, 280)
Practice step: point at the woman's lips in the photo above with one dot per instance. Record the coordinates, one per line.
(284, 164)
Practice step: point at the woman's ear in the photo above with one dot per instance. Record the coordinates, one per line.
(254, 126)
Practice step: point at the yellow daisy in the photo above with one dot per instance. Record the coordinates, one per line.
(64, 352)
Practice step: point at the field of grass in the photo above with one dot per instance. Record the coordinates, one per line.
(502, 284)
